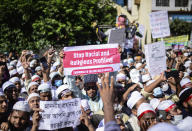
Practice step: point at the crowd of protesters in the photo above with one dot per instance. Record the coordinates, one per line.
(109, 101)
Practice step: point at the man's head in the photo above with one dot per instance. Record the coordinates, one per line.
(36, 78)
(56, 79)
(33, 87)
(185, 97)
(3, 103)
(134, 101)
(64, 93)
(170, 108)
(19, 117)
(10, 91)
(33, 101)
(122, 21)
(17, 82)
(38, 71)
(45, 92)
(146, 116)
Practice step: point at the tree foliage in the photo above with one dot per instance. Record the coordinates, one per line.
(34, 24)
(179, 27)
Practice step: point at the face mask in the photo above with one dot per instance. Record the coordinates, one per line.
(58, 83)
(157, 92)
(177, 119)
(165, 87)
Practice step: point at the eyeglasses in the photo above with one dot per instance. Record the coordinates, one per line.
(1, 101)
(90, 87)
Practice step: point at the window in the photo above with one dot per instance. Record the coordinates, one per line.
(181, 3)
(162, 2)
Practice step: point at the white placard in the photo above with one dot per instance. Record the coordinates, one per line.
(159, 24)
(155, 58)
(59, 114)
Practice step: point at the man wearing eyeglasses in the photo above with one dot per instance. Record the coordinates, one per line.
(91, 89)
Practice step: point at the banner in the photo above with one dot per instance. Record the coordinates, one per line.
(159, 24)
(155, 58)
(60, 114)
(91, 59)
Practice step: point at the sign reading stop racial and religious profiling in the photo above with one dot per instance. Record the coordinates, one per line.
(155, 58)
(91, 59)
(60, 114)
(159, 24)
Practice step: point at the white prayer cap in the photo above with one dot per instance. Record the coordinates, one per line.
(38, 68)
(130, 60)
(21, 106)
(149, 82)
(185, 54)
(85, 105)
(35, 78)
(120, 76)
(143, 109)
(185, 124)
(14, 79)
(32, 84)
(154, 103)
(133, 99)
(57, 63)
(184, 81)
(7, 84)
(13, 72)
(185, 74)
(53, 74)
(146, 78)
(125, 62)
(90, 78)
(44, 87)
(163, 126)
(13, 63)
(32, 63)
(140, 85)
(20, 70)
(166, 105)
(23, 90)
(61, 88)
(32, 95)
(10, 67)
(138, 65)
(187, 64)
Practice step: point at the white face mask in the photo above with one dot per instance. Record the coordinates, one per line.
(177, 119)
(165, 87)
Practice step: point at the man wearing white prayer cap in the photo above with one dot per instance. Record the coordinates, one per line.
(33, 101)
(133, 102)
(173, 114)
(146, 116)
(64, 93)
(38, 71)
(45, 92)
(185, 101)
(3, 108)
(11, 93)
(186, 82)
(20, 117)
(13, 73)
(17, 83)
(122, 79)
(32, 87)
(36, 78)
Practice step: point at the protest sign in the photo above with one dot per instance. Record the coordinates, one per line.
(117, 36)
(155, 58)
(159, 24)
(135, 75)
(91, 59)
(177, 42)
(59, 114)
